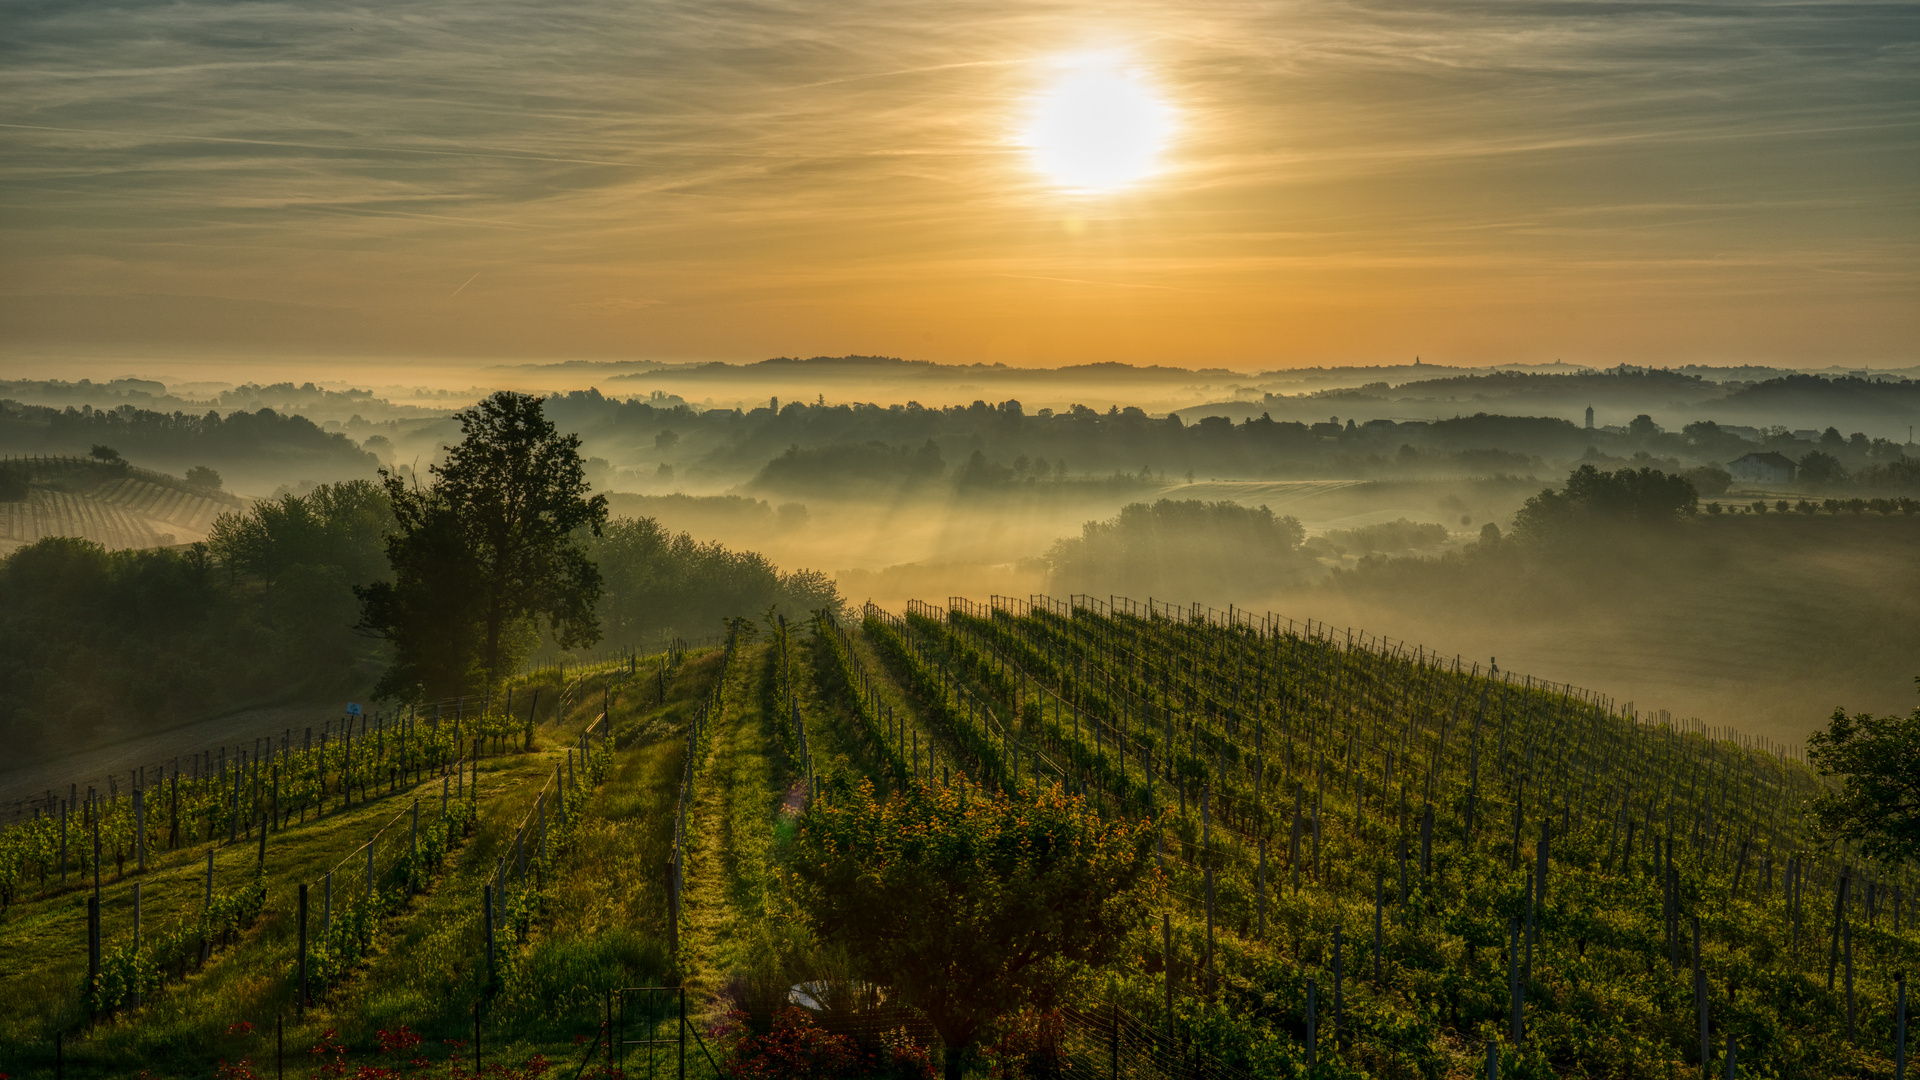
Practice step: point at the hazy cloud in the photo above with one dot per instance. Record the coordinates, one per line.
(1607, 181)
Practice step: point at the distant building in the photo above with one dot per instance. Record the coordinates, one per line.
(1589, 418)
(1767, 468)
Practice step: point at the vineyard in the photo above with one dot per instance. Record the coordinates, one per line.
(1368, 860)
(115, 507)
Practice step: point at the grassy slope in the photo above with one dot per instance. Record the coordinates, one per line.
(425, 968)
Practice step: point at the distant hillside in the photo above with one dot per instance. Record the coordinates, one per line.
(253, 451)
(116, 506)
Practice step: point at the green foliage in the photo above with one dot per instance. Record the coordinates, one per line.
(1877, 760)
(202, 476)
(1182, 548)
(1388, 536)
(1819, 467)
(87, 635)
(255, 443)
(660, 582)
(171, 950)
(838, 467)
(1709, 479)
(485, 552)
(971, 904)
(13, 484)
(1596, 500)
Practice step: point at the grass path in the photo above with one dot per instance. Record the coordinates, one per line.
(732, 881)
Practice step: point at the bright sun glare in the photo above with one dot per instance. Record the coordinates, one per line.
(1100, 126)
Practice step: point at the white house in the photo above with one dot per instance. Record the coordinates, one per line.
(1767, 468)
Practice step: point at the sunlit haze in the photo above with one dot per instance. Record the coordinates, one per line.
(1098, 127)
(1252, 186)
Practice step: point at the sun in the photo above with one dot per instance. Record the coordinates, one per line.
(1099, 127)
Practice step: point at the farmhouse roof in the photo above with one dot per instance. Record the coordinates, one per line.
(1770, 457)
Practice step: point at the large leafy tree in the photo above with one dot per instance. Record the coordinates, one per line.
(969, 904)
(485, 552)
(1596, 501)
(1877, 761)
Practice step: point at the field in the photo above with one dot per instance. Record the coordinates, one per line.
(126, 508)
(1372, 858)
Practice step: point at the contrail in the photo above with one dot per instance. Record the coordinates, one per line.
(465, 283)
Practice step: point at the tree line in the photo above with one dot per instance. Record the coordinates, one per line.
(436, 588)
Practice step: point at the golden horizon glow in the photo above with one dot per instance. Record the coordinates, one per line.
(1100, 126)
(1257, 186)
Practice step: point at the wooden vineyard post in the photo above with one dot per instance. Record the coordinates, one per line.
(673, 911)
(1339, 978)
(136, 996)
(530, 711)
(1700, 997)
(301, 987)
(1293, 844)
(1210, 972)
(1166, 953)
(93, 955)
(1426, 842)
(1846, 947)
(1378, 885)
(413, 851)
(1493, 1060)
(1839, 915)
(140, 830)
(1900, 1028)
(486, 903)
(1540, 873)
(1313, 1026)
(1514, 1004)
(206, 913)
(1260, 893)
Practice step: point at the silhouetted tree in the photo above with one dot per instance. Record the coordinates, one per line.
(485, 552)
(1818, 467)
(1593, 498)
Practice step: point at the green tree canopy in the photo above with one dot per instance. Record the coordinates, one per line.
(485, 552)
(659, 581)
(1877, 759)
(1185, 547)
(1594, 499)
(303, 555)
(971, 905)
(1818, 467)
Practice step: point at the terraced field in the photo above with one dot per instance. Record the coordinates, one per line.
(191, 516)
(1369, 861)
(127, 509)
(61, 513)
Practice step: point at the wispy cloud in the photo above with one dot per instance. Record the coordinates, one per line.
(1471, 180)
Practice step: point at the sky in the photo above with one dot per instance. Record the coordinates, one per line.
(424, 182)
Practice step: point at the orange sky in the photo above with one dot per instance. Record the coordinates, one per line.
(1472, 183)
